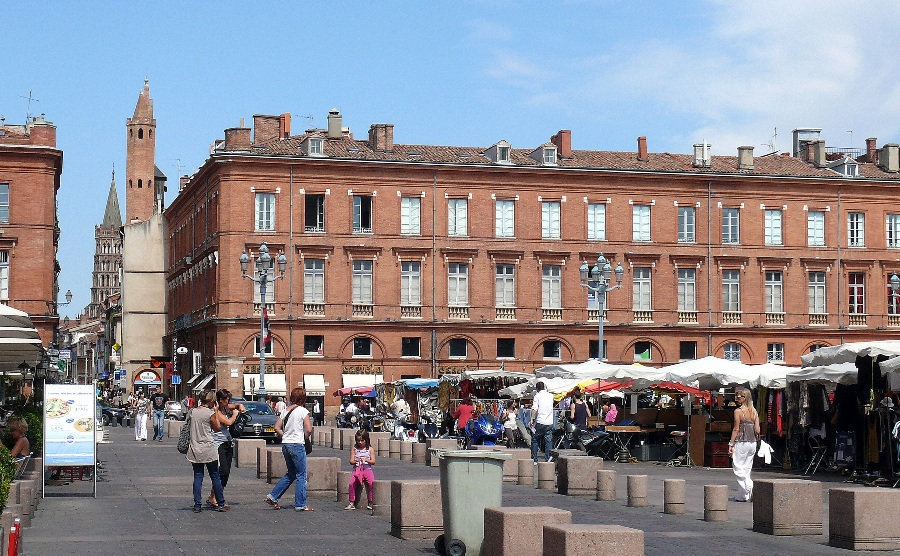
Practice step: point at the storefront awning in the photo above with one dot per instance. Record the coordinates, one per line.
(314, 385)
(19, 340)
(194, 378)
(202, 384)
(361, 380)
(275, 384)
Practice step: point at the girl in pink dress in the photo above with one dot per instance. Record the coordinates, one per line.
(362, 458)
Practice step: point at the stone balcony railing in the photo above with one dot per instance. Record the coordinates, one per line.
(410, 311)
(774, 318)
(551, 314)
(458, 312)
(643, 316)
(857, 319)
(505, 313)
(731, 317)
(314, 309)
(688, 317)
(818, 319)
(363, 310)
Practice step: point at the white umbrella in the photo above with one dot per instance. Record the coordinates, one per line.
(836, 373)
(710, 372)
(597, 370)
(19, 340)
(847, 353)
(770, 375)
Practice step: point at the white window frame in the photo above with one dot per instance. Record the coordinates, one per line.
(362, 355)
(815, 228)
(687, 289)
(856, 229)
(687, 225)
(264, 215)
(642, 295)
(270, 349)
(315, 146)
(411, 283)
(454, 341)
(550, 219)
(505, 218)
(775, 353)
(359, 226)
(773, 227)
(731, 226)
(640, 223)
(774, 290)
(458, 284)
(505, 285)
(817, 293)
(319, 351)
(732, 351)
(457, 217)
(892, 230)
(551, 286)
(596, 221)
(548, 156)
(555, 345)
(410, 216)
(731, 290)
(4, 275)
(856, 300)
(313, 280)
(361, 282)
(4, 203)
(503, 154)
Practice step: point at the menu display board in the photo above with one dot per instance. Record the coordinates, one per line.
(70, 415)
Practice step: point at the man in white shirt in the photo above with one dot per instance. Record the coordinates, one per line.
(280, 406)
(542, 421)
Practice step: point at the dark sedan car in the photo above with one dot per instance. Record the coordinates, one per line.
(108, 414)
(259, 421)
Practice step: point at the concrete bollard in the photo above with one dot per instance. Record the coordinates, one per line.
(348, 438)
(787, 507)
(673, 496)
(416, 509)
(276, 466)
(863, 518)
(382, 498)
(321, 477)
(418, 453)
(715, 503)
(343, 486)
(546, 475)
(394, 447)
(577, 475)
(335, 440)
(596, 540)
(637, 490)
(406, 449)
(384, 447)
(18, 511)
(374, 437)
(435, 446)
(526, 472)
(246, 450)
(519, 531)
(606, 485)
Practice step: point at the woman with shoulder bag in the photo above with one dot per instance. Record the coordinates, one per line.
(228, 414)
(742, 446)
(202, 451)
(294, 427)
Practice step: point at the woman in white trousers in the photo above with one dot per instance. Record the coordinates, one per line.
(142, 409)
(742, 446)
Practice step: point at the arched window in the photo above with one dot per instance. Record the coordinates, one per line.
(140, 133)
(140, 184)
(130, 184)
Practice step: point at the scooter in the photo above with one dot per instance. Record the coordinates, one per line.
(482, 430)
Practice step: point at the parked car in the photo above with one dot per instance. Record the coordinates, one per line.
(107, 414)
(175, 411)
(259, 421)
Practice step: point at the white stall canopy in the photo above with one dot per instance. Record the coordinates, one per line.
(836, 373)
(275, 384)
(314, 385)
(19, 340)
(355, 381)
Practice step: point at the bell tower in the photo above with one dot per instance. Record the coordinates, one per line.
(142, 192)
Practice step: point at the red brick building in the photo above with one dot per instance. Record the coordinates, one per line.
(30, 168)
(420, 259)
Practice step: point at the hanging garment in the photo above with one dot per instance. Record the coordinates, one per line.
(765, 451)
(778, 412)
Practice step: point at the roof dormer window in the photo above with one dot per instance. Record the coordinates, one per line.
(503, 153)
(499, 153)
(545, 154)
(549, 156)
(315, 146)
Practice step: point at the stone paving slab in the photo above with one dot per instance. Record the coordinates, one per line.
(144, 507)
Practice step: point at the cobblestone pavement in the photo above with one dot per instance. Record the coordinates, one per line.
(143, 506)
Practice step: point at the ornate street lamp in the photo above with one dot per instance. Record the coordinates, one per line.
(264, 263)
(596, 280)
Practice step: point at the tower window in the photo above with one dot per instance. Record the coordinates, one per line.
(141, 133)
(130, 184)
(140, 184)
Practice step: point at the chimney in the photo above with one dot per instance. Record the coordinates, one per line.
(42, 133)
(381, 137)
(237, 139)
(872, 150)
(889, 158)
(642, 149)
(702, 158)
(334, 124)
(265, 128)
(745, 158)
(285, 125)
(183, 182)
(563, 142)
(817, 157)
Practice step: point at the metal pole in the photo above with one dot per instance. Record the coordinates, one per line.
(601, 304)
(263, 278)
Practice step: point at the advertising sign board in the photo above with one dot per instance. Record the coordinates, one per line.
(70, 416)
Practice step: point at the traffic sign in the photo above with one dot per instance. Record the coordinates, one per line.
(53, 352)
(65, 354)
(176, 379)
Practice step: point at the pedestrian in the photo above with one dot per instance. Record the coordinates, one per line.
(362, 458)
(510, 427)
(317, 409)
(541, 421)
(578, 410)
(463, 413)
(18, 429)
(280, 406)
(742, 446)
(227, 413)
(141, 409)
(202, 450)
(293, 429)
(159, 400)
(610, 413)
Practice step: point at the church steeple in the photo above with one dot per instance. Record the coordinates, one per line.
(141, 188)
(112, 218)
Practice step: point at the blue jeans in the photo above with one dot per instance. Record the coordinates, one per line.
(159, 416)
(295, 458)
(545, 431)
(213, 469)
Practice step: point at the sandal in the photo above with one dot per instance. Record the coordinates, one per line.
(211, 504)
(304, 509)
(272, 503)
(350, 506)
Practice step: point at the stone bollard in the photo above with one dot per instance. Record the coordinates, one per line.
(276, 467)
(596, 540)
(343, 486)
(321, 477)
(863, 518)
(519, 531)
(673, 496)
(394, 447)
(715, 503)
(174, 428)
(606, 485)
(787, 507)
(18, 511)
(348, 438)
(416, 509)
(406, 449)
(335, 440)
(418, 452)
(577, 475)
(526, 472)
(26, 497)
(246, 451)
(637, 490)
(546, 475)
(435, 446)
(382, 498)
(384, 447)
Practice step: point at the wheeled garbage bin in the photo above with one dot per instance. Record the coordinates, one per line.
(471, 480)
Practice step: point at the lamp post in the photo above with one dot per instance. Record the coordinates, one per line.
(264, 263)
(596, 280)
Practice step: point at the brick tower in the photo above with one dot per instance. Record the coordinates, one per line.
(145, 184)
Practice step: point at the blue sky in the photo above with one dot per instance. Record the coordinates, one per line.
(453, 73)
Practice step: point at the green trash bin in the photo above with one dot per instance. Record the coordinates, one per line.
(471, 480)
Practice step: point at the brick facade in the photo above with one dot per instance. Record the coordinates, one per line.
(213, 220)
